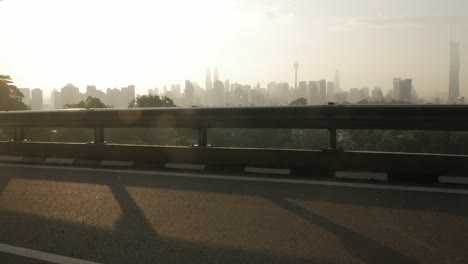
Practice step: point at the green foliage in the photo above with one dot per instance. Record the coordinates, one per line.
(152, 101)
(10, 95)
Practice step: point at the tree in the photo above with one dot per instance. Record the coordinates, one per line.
(152, 101)
(299, 101)
(91, 102)
(10, 95)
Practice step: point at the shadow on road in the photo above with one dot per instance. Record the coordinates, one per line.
(135, 240)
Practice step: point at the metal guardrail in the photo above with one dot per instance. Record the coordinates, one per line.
(331, 117)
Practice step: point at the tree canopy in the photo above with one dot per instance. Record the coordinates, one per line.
(10, 95)
(91, 102)
(299, 101)
(152, 101)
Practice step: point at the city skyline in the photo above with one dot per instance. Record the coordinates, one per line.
(370, 42)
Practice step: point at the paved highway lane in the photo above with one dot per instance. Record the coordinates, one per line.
(106, 216)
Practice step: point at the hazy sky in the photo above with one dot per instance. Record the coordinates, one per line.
(47, 44)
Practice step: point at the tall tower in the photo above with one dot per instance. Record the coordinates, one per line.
(296, 65)
(454, 75)
(208, 82)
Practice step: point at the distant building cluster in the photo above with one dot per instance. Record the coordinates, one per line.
(70, 95)
(217, 92)
(223, 93)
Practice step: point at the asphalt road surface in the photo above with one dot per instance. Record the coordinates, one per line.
(73, 215)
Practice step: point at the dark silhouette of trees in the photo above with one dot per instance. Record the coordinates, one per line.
(90, 102)
(299, 101)
(152, 101)
(10, 95)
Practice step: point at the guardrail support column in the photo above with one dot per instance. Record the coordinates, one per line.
(98, 135)
(333, 145)
(19, 134)
(202, 137)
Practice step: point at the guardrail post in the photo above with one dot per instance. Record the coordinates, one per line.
(19, 134)
(333, 145)
(98, 135)
(202, 137)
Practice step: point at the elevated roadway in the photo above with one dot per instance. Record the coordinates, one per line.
(88, 215)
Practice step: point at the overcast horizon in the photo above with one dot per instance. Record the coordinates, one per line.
(47, 44)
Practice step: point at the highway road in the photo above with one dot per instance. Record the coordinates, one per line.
(86, 215)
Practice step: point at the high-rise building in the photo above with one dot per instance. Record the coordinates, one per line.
(36, 99)
(330, 91)
(215, 75)
(227, 86)
(353, 95)
(56, 99)
(296, 66)
(91, 91)
(337, 82)
(301, 92)
(70, 95)
(363, 94)
(406, 88)
(402, 89)
(323, 91)
(454, 75)
(313, 94)
(218, 93)
(189, 93)
(127, 95)
(26, 95)
(175, 88)
(208, 82)
(396, 88)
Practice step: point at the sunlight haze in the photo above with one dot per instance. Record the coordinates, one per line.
(47, 44)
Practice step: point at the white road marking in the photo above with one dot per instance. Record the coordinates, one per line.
(361, 175)
(268, 170)
(253, 179)
(59, 161)
(34, 254)
(182, 166)
(453, 179)
(116, 163)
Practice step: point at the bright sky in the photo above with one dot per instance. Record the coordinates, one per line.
(49, 43)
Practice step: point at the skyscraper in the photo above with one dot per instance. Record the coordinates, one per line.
(215, 75)
(36, 99)
(396, 88)
(208, 82)
(56, 98)
(26, 95)
(70, 95)
(296, 66)
(454, 76)
(313, 93)
(189, 93)
(218, 93)
(330, 91)
(337, 82)
(402, 89)
(406, 88)
(323, 91)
